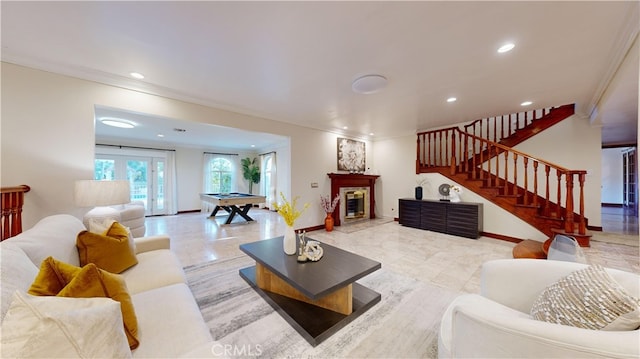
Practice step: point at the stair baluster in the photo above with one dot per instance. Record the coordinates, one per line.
(466, 157)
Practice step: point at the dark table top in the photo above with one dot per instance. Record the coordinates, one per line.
(336, 269)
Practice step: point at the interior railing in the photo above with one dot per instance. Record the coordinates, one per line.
(534, 181)
(12, 201)
(499, 127)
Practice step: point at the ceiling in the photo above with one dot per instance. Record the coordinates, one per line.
(295, 61)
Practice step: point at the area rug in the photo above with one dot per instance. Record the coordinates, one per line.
(403, 325)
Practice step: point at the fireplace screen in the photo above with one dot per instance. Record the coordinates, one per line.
(354, 203)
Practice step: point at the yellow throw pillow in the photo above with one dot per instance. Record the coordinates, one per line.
(87, 282)
(52, 277)
(112, 251)
(92, 281)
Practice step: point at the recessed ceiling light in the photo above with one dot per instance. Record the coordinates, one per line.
(116, 122)
(451, 99)
(160, 135)
(137, 75)
(369, 84)
(253, 145)
(506, 48)
(345, 128)
(526, 103)
(370, 133)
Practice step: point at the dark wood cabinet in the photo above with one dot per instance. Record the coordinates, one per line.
(410, 213)
(457, 218)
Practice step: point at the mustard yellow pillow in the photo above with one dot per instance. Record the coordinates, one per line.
(87, 282)
(112, 251)
(52, 277)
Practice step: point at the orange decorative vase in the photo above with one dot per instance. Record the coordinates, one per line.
(328, 222)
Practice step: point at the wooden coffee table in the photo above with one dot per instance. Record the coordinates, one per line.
(316, 298)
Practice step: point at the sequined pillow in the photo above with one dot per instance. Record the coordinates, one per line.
(590, 299)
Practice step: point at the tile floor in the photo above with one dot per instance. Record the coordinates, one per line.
(448, 261)
(619, 220)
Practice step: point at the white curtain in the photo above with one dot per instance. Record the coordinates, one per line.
(170, 183)
(206, 175)
(268, 180)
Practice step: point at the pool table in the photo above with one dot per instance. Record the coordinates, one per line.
(234, 203)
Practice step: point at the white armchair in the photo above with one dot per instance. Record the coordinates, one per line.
(130, 215)
(497, 323)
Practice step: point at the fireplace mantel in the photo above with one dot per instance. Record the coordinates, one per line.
(339, 180)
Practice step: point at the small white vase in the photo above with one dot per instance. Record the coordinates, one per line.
(289, 241)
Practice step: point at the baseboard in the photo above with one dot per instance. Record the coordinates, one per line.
(501, 237)
(617, 205)
(189, 211)
(312, 228)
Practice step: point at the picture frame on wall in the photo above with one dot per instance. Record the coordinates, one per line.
(351, 155)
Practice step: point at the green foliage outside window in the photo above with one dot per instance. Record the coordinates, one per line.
(220, 175)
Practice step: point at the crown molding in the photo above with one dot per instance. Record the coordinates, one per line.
(624, 42)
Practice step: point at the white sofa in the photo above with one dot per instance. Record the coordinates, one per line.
(497, 323)
(169, 321)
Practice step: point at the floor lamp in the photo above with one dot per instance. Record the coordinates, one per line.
(100, 194)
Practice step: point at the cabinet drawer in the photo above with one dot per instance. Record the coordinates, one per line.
(409, 213)
(433, 217)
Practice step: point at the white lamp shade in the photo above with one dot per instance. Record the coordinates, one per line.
(90, 193)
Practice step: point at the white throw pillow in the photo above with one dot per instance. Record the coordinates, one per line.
(100, 225)
(590, 299)
(57, 327)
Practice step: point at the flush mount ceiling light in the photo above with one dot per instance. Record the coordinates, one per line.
(506, 48)
(369, 84)
(137, 75)
(452, 99)
(116, 122)
(526, 103)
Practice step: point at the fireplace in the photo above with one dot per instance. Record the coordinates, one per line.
(357, 197)
(354, 204)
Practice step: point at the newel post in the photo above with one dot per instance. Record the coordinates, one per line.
(418, 155)
(453, 153)
(582, 226)
(568, 220)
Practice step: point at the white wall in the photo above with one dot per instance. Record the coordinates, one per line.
(576, 145)
(612, 181)
(399, 180)
(48, 143)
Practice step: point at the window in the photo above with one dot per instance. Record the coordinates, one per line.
(104, 169)
(220, 175)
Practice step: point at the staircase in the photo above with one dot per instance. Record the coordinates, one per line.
(481, 158)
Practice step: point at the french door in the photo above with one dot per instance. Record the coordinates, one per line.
(145, 175)
(630, 185)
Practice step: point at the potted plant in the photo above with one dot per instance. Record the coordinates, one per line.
(250, 171)
(329, 206)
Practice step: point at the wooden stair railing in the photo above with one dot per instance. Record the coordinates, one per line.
(509, 173)
(499, 128)
(12, 201)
